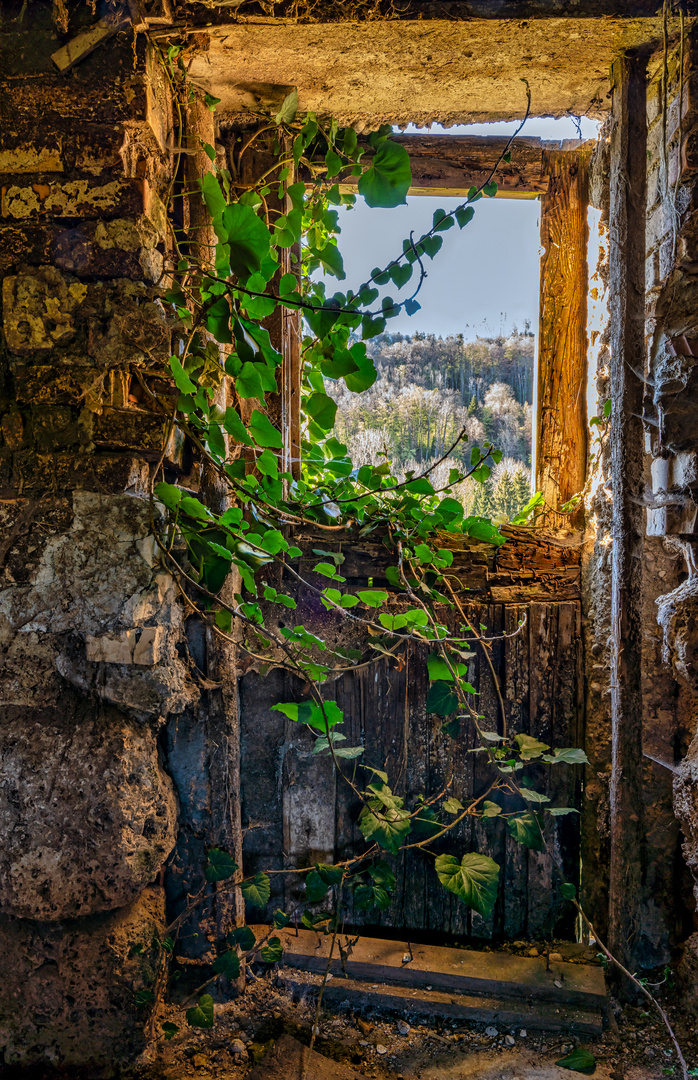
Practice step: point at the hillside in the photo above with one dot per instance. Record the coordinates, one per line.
(429, 389)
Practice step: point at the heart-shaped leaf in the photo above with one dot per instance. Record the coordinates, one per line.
(474, 879)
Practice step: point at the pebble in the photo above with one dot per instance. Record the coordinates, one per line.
(523, 1033)
(492, 1032)
(380, 1049)
(532, 952)
(199, 1061)
(555, 956)
(509, 1040)
(558, 984)
(403, 1028)
(237, 1046)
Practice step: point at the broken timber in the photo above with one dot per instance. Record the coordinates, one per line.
(530, 566)
(477, 986)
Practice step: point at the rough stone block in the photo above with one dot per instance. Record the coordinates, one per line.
(26, 244)
(673, 520)
(111, 648)
(143, 647)
(86, 197)
(138, 430)
(61, 102)
(109, 249)
(39, 309)
(67, 990)
(87, 812)
(675, 473)
(32, 157)
(46, 384)
(104, 473)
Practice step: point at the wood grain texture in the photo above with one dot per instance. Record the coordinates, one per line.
(561, 422)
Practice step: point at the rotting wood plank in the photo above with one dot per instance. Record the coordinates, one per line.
(458, 970)
(506, 1012)
(515, 689)
(561, 428)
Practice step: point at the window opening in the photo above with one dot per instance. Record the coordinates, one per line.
(466, 359)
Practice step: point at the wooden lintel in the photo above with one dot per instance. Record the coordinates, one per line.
(448, 165)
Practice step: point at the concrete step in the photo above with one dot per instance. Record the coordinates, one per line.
(426, 1004)
(483, 974)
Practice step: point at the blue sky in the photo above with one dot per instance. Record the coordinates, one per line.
(484, 281)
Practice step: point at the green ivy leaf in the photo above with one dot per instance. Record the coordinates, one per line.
(169, 495)
(526, 830)
(288, 110)
(368, 895)
(568, 755)
(219, 865)
(202, 1014)
(257, 890)
(533, 796)
(315, 888)
(388, 178)
(169, 1030)
(227, 964)
(248, 238)
(243, 937)
(263, 431)
(322, 409)
(579, 1060)
(182, 380)
(529, 748)
(441, 699)
(420, 486)
(281, 920)
(272, 951)
(331, 875)
(453, 805)
(372, 597)
(235, 427)
(464, 214)
(568, 890)
(474, 879)
(388, 827)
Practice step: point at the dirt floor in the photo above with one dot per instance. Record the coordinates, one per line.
(634, 1046)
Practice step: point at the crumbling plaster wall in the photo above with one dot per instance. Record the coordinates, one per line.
(95, 671)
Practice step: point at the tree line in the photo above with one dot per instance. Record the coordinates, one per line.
(431, 388)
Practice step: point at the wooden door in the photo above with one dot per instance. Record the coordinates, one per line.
(297, 811)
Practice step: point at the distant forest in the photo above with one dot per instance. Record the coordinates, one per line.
(428, 389)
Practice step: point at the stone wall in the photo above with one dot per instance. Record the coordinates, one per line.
(93, 660)
(671, 419)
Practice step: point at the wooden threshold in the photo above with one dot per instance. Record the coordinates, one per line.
(440, 968)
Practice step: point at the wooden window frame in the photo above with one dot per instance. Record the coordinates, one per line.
(447, 166)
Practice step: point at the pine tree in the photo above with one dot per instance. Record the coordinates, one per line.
(481, 504)
(504, 499)
(473, 406)
(522, 486)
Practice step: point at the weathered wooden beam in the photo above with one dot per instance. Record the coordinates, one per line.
(448, 165)
(628, 164)
(561, 423)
